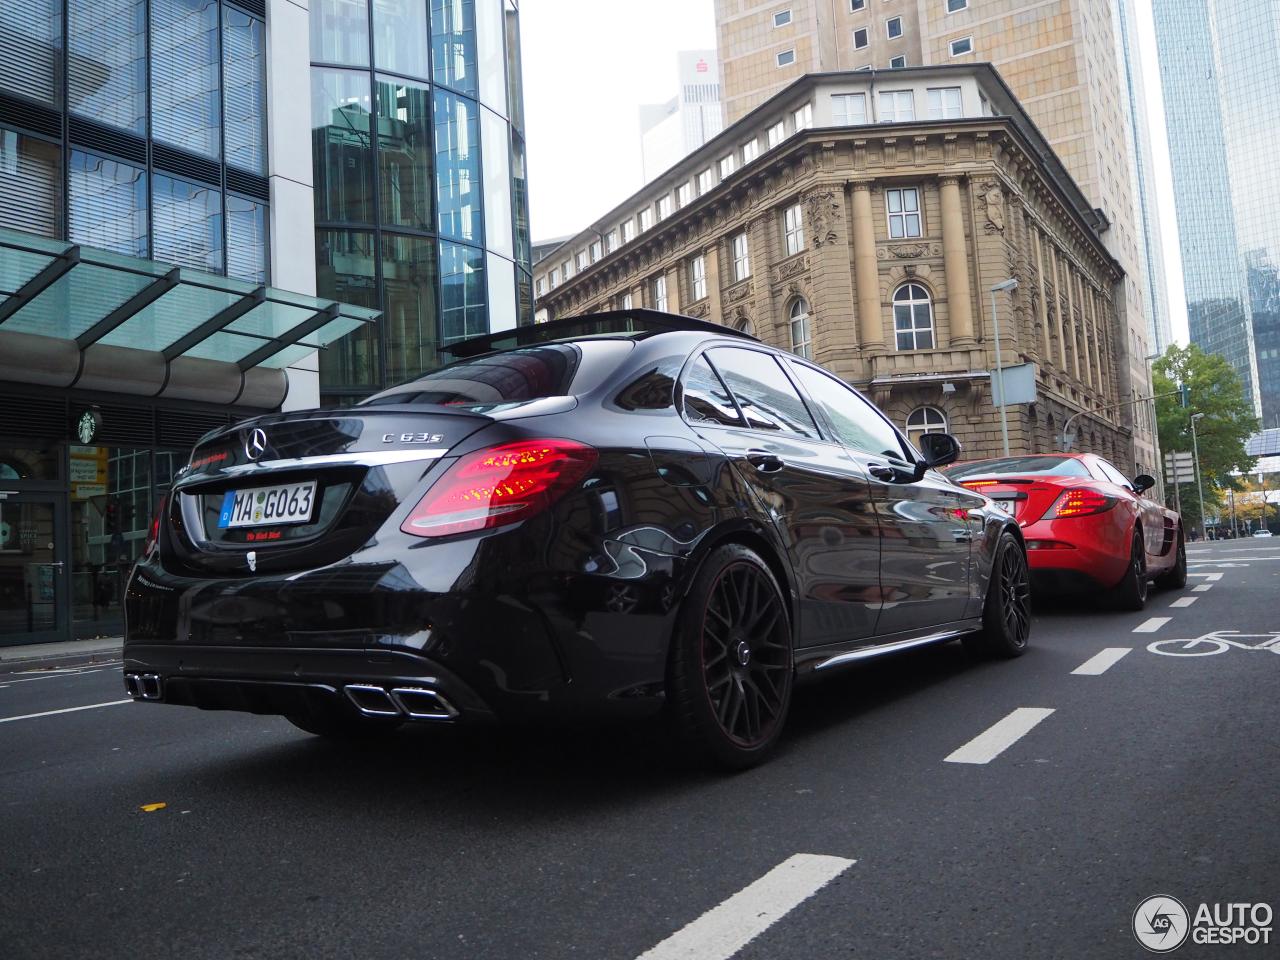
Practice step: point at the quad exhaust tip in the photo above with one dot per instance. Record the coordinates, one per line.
(413, 703)
(143, 686)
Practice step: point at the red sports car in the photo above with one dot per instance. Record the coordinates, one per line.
(1086, 526)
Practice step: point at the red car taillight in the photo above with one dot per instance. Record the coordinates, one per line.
(153, 534)
(500, 485)
(1079, 502)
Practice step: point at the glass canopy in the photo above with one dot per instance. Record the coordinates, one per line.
(55, 289)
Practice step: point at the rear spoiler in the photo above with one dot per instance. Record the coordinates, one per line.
(638, 321)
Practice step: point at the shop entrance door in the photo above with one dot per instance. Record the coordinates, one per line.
(33, 574)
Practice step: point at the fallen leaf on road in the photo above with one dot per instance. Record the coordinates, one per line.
(152, 807)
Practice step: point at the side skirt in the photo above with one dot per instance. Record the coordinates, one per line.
(818, 660)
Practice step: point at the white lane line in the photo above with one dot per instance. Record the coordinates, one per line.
(724, 930)
(49, 676)
(1152, 625)
(50, 713)
(1201, 587)
(999, 737)
(1215, 577)
(1101, 662)
(1184, 601)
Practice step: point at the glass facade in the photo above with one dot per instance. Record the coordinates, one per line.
(419, 173)
(93, 80)
(1220, 69)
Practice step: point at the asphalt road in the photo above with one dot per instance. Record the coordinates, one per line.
(1156, 776)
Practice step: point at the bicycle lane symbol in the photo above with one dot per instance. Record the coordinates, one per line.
(1215, 642)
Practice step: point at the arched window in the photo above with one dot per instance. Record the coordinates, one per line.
(924, 420)
(801, 340)
(913, 317)
(743, 325)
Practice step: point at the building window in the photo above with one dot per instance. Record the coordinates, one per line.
(628, 230)
(244, 90)
(897, 106)
(776, 134)
(793, 230)
(924, 420)
(400, 32)
(801, 340)
(106, 66)
(727, 166)
(597, 250)
(750, 150)
(955, 6)
(782, 18)
(856, 5)
(107, 204)
(540, 286)
(611, 241)
(704, 181)
(962, 46)
(186, 109)
(627, 301)
(893, 27)
(803, 117)
(903, 205)
(743, 325)
(646, 219)
(404, 169)
(453, 44)
(567, 269)
(862, 69)
(913, 317)
(698, 276)
(457, 125)
(660, 292)
(848, 109)
(684, 194)
(741, 261)
(860, 38)
(187, 224)
(555, 278)
(246, 239)
(462, 298)
(664, 206)
(786, 58)
(896, 63)
(944, 103)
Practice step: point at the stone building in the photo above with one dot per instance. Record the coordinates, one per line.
(831, 222)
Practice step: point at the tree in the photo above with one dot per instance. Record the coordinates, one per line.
(1215, 391)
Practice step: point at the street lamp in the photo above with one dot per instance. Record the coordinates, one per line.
(1195, 447)
(1010, 284)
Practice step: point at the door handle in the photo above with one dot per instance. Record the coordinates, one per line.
(764, 461)
(882, 472)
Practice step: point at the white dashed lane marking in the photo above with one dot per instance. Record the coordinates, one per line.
(1184, 601)
(724, 930)
(1214, 577)
(1152, 625)
(1101, 662)
(50, 713)
(999, 737)
(1201, 587)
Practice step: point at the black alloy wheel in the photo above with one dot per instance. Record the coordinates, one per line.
(731, 660)
(1176, 577)
(1006, 613)
(1131, 592)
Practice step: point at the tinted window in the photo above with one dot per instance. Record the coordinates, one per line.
(1113, 475)
(514, 376)
(1022, 467)
(705, 397)
(855, 422)
(766, 396)
(654, 389)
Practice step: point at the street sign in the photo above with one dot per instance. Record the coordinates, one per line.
(1179, 468)
(1019, 385)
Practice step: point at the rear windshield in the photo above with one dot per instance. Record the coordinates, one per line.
(1021, 467)
(511, 377)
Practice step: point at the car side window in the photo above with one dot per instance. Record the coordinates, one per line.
(1114, 475)
(705, 398)
(768, 399)
(855, 422)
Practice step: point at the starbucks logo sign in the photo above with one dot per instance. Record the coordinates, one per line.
(87, 426)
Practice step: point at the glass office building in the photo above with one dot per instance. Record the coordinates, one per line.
(419, 177)
(1220, 69)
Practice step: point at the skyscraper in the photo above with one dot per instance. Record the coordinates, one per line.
(672, 130)
(1220, 68)
(1067, 61)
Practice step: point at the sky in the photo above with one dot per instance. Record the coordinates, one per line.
(589, 64)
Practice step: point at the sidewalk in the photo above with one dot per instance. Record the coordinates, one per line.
(65, 654)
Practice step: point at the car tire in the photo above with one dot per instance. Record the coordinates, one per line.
(1006, 611)
(336, 725)
(1131, 592)
(1176, 577)
(730, 669)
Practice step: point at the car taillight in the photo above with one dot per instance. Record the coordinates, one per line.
(153, 534)
(1079, 502)
(500, 485)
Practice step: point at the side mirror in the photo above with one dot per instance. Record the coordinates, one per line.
(939, 449)
(1143, 482)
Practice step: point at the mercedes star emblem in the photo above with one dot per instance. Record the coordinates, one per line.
(255, 444)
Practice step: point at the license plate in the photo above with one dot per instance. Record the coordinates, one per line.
(268, 506)
(1005, 505)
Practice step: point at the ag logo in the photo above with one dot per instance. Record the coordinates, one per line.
(1161, 923)
(255, 443)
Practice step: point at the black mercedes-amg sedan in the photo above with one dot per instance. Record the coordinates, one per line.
(617, 514)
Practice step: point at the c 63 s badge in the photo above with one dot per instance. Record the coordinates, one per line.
(412, 437)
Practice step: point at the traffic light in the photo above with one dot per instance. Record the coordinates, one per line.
(1184, 393)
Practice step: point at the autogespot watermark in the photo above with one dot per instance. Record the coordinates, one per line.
(1162, 924)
